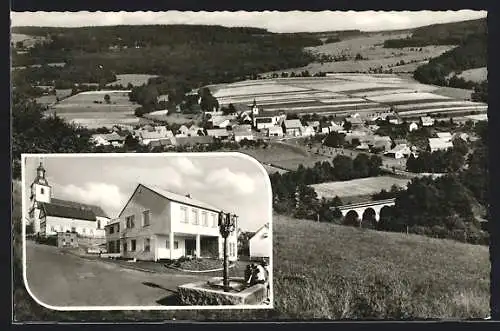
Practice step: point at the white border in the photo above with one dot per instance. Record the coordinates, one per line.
(117, 155)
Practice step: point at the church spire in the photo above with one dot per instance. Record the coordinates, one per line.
(40, 171)
(40, 175)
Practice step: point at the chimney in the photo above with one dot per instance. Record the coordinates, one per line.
(188, 196)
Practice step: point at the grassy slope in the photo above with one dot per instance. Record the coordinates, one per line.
(325, 271)
(368, 274)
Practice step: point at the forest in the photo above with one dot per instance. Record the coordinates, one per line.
(440, 34)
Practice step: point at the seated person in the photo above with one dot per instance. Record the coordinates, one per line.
(248, 273)
(260, 275)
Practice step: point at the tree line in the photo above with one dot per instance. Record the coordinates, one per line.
(341, 168)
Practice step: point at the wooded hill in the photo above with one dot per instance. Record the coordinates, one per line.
(441, 34)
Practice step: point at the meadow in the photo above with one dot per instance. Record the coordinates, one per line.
(373, 52)
(358, 187)
(476, 75)
(90, 110)
(134, 79)
(284, 157)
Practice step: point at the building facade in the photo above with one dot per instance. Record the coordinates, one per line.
(49, 215)
(156, 224)
(260, 243)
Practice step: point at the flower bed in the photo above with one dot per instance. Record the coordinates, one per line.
(197, 264)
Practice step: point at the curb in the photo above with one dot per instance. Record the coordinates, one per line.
(117, 264)
(198, 271)
(129, 266)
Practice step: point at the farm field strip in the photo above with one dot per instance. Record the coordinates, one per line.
(438, 104)
(95, 115)
(90, 109)
(361, 186)
(382, 92)
(249, 99)
(286, 101)
(318, 107)
(344, 100)
(103, 92)
(373, 89)
(267, 89)
(407, 97)
(344, 111)
(440, 110)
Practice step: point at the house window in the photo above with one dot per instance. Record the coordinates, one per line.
(194, 214)
(176, 244)
(111, 229)
(53, 229)
(147, 244)
(71, 239)
(145, 217)
(132, 245)
(73, 229)
(42, 190)
(214, 221)
(204, 218)
(98, 224)
(130, 221)
(125, 246)
(184, 215)
(118, 227)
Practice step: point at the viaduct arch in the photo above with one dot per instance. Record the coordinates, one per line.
(368, 209)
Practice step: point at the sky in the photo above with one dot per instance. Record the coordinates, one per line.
(233, 183)
(274, 21)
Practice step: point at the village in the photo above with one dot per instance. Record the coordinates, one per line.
(361, 190)
(255, 124)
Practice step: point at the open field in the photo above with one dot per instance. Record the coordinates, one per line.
(374, 54)
(372, 274)
(134, 79)
(82, 109)
(347, 93)
(176, 118)
(356, 187)
(284, 156)
(271, 170)
(476, 75)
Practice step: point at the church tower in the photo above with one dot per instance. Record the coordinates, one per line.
(255, 108)
(254, 112)
(40, 193)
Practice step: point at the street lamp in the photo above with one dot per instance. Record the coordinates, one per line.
(227, 224)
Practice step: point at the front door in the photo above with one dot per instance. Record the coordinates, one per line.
(190, 247)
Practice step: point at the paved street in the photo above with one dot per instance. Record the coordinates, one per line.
(67, 280)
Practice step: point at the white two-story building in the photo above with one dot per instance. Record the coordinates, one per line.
(157, 224)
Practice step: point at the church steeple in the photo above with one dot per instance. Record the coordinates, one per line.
(40, 188)
(40, 175)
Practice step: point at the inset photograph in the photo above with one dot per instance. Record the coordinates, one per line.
(147, 231)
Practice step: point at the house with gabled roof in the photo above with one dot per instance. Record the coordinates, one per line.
(260, 244)
(106, 139)
(158, 224)
(50, 215)
(293, 127)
